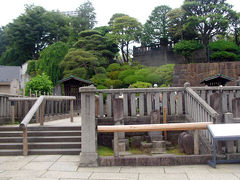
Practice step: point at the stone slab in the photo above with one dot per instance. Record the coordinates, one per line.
(62, 174)
(114, 169)
(64, 166)
(115, 176)
(38, 166)
(47, 158)
(163, 176)
(21, 173)
(11, 166)
(143, 169)
(200, 176)
(69, 158)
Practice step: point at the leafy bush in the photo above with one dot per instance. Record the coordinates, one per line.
(125, 73)
(224, 56)
(140, 84)
(113, 74)
(39, 83)
(114, 67)
(100, 70)
(224, 51)
(132, 79)
(31, 68)
(186, 48)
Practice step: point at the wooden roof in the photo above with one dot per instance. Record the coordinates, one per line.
(75, 78)
(220, 79)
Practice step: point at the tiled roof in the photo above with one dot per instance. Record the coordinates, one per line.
(8, 73)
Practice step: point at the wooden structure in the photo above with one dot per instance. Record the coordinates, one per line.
(216, 80)
(71, 88)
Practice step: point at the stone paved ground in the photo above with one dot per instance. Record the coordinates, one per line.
(62, 167)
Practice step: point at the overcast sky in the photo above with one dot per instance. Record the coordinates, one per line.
(140, 9)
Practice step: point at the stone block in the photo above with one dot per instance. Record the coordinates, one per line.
(186, 143)
(136, 141)
(146, 147)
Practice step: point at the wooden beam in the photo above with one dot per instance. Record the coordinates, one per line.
(154, 127)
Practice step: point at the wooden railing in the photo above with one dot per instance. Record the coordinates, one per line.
(157, 127)
(5, 107)
(198, 110)
(39, 107)
(141, 101)
(228, 93)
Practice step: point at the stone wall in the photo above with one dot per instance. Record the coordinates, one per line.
(163, 55)
(195, 73)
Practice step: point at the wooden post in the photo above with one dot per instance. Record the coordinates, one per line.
(23, 92)
(196, 141)
(71, 110)
(37, 116)
(42, 112)
(165, 121)
(30, 93)
(25, 142)
(36, 94)
(12, 112)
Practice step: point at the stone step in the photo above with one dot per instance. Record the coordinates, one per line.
(40, 145)
(42, 139)
(40, 133)
(11, 152)
(54, 151)
(42, 128)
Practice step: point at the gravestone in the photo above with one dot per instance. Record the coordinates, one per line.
(186, 143)
(236, 107)
(15, 87)
(216, 102)
(155, 119)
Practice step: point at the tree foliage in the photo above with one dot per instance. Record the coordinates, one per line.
(50, 59)
(186, 48)
(155, 29)
(31, 32)
(208, 17)
(85, 20)
(125, 30)
(224, 51)
(39, 83)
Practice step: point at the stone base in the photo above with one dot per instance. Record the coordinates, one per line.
(159, 147)
(146, 147)
(88, 159)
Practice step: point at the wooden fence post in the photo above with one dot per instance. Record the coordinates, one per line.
(42, 112)
(25, 142)
(88, 155)
(71, 110)
(165, 121)
(12, 112)
(196, 141)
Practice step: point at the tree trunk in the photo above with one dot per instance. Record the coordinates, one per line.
(205, 40)
(127, 53)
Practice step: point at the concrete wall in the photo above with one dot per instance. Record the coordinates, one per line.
(195, 73)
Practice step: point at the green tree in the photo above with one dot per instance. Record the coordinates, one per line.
(235, 25)
(186, 48)
(80, 63)
(224, 51)
(177, 31)
(31, 32)
(86, 19)
(114, 16)
(50, 59)
(126, 30)
(208, 17)
(39, 83)
(155, 29)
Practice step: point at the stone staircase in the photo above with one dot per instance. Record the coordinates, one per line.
(44, 140)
